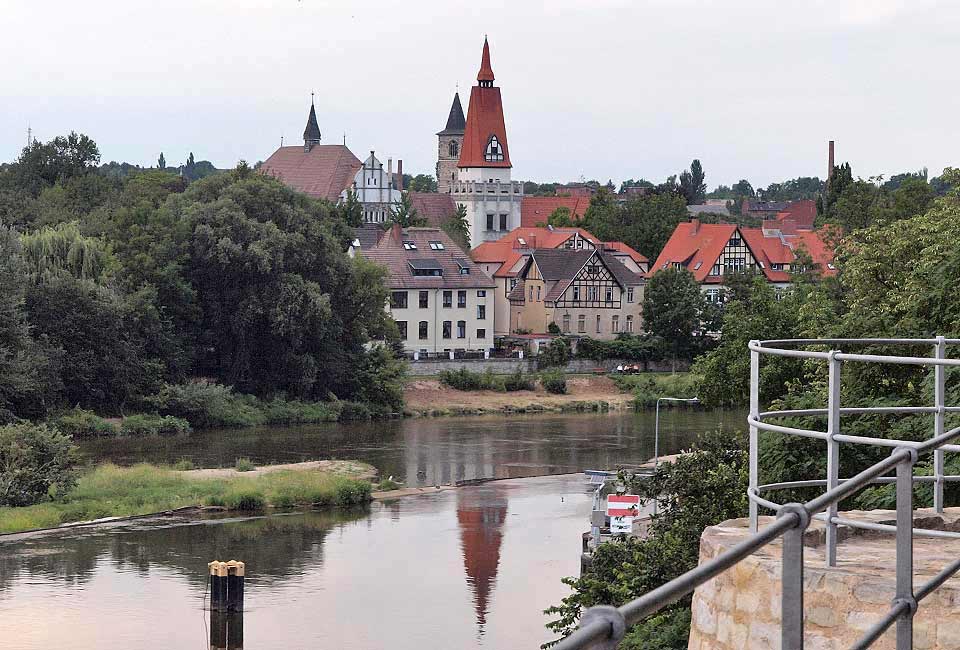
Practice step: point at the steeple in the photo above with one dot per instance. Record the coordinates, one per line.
(311, 134)
(456, 122)
(485, 76)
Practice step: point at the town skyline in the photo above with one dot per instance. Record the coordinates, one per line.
(228, 86)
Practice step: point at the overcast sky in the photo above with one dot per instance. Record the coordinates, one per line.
(591, 88)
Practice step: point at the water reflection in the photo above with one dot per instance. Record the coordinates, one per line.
(432, 451)
(474, 567)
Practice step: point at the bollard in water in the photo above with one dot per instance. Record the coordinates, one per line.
(226, 630)
(226, 604)
(235, 576)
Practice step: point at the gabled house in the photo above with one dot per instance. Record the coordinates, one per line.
(442, 301)
(712, 251)
(586, 292)
(504, 258)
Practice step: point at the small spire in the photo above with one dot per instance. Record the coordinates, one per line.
(485, 76)
(311, 134)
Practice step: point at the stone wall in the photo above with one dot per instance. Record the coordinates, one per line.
(431, 367)
(740, 608)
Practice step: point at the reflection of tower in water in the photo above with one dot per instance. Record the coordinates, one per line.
(481, 512)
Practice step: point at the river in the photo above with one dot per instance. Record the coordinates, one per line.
(466, 568)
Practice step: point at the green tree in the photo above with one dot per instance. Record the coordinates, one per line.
(161, 162)
(692, 185)
(404, 214)
(352, 210)
(644, 223)
(560, 218)
(420, 183)
(672, 305)
(555, 355)
(458, 228)
(34, 461)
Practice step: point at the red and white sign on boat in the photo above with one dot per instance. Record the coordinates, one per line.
(623, 505)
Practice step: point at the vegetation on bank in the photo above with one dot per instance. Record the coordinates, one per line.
(111, 491)
(699, 489)
(647, 388)
(119, 292)
(464, 379)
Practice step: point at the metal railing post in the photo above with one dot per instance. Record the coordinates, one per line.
(754, 432)
(833, 453)
(791, 572)
(904, 592)
(939, 398)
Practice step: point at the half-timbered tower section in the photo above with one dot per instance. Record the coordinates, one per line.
(582, 292)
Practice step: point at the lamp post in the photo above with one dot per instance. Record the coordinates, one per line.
(656, 431)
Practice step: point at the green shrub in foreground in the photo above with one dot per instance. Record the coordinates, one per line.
(79, 423)
(244, 465)
(35, 460)
(153, 425)
(554, 381)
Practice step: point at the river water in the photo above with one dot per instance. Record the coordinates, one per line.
(466, 568)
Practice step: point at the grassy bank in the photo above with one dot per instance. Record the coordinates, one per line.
(112, 491)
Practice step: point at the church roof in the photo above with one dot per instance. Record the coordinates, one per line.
(323, 172)
(484, 120)
(435, 208)
(456, 123)
(312, 131)
(486, 71)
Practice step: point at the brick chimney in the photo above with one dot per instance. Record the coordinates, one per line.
(400, 174)
(396, 232)
(830, 163)
(694, 226)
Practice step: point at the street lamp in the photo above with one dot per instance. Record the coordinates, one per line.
(656, 432)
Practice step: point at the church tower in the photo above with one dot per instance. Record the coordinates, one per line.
(451, 141)
(483, 183)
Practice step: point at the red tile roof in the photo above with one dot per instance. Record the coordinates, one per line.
(803, 213)
(620, 247)
(390, 252)
(486, 70)
(323, 172)
(698, 246)
(435, 208)
(537, 209)
(508, 250)
(484, 119)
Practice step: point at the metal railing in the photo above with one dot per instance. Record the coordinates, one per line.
(602, 627)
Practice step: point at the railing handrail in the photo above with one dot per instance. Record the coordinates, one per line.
(607, 625)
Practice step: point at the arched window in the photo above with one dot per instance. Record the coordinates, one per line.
(454, 149)
(494, 152)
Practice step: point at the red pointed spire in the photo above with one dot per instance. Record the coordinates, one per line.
(486, 71)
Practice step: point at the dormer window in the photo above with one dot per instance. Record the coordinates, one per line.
(410, 245)
(494, 152)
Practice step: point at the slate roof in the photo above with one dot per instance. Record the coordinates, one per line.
(456, 122)
(312, 131)
(368, 235)
(558, 267)
(323, 172)
(435, 208)
(390, 252)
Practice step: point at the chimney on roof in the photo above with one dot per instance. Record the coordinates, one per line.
(389, 172)
(830, 162)
(400, 174)
(694, 226)
(396, 232)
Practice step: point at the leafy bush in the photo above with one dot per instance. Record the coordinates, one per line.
(350, 411)
(205, 404)
(79, 423)
(464, 379)
(628, 347)
(388, 484)
(245, 499)
(244, 465)
(554, 329)
(555, 354)
(153, 425)
(184, 465)
(554, 382)
(34, 461)
(648, 388)
(283, 412)
(518, 381)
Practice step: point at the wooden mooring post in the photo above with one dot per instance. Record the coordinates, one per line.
(226, 604)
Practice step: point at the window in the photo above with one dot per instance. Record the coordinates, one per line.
(538, 293)
(608, 295)
(735, 241)
(615, 324)
(454, 148)
(531, 293)
(463, 266)
(423, 330)
(715, 270)
(481, 334)
(678, 265)
(402, 326)
(566, 323)
(503, 222)
(494, 152)
(448, 299)
(436, 245)
(461, 329)
(629, 294)
(481, 293)
(489, 222)
(576, 294)
(592, 269)
(776, 267)
(447, 329)
(629, 323)
(424, 299)
(582, 324)
(410, 245)
(461, 299)
(513, 283)
(735, 264)
(481, 312)
(398, 300)
(522, 242)
(593, 294)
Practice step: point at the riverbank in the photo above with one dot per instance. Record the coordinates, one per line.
(111, 491)
(428, 397)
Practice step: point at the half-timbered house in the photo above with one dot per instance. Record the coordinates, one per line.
(583, 292)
